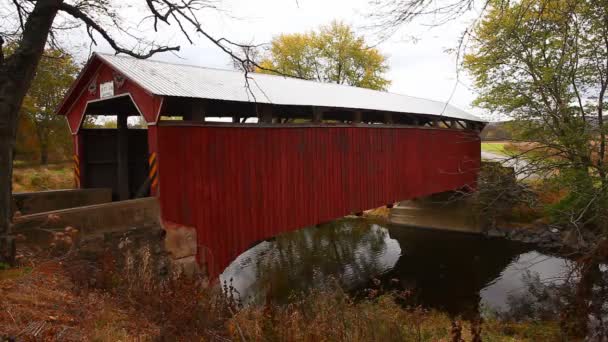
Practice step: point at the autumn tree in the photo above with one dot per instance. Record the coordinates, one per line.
(333, 54)
(54, 76)
(26, 145)
(545, 63)
(33, 24)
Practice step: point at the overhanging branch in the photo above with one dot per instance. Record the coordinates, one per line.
(92, 25)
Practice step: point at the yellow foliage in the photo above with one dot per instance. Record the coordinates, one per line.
(333, 54)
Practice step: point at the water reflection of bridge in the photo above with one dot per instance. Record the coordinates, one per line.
(448, 270)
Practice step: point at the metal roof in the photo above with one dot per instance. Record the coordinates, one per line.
(169, 79)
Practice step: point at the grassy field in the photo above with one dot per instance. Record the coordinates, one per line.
(39, 178)
(498, 147)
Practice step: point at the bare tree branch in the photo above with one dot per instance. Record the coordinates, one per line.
(92, 25)
(20, 13)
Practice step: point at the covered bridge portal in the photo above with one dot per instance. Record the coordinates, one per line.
(289, 153)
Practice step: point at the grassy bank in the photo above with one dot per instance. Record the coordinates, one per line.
(43, 302)
(498, 147)
(39, 177)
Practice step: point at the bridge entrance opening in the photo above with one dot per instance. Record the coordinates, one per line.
(114, 148)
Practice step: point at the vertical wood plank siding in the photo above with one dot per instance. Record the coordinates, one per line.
(239, 185)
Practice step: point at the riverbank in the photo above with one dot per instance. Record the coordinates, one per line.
(42, 302)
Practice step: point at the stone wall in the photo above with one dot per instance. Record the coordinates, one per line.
(119, 229)
(42, 201)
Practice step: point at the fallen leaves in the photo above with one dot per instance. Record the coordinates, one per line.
(43, 305)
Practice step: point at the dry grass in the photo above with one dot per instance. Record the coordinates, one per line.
(51, 299)
(43, 304)
(523, 214)
(549, 195)
(39, 178)
(333, 316)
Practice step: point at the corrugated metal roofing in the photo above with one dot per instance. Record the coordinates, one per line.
(168, 79)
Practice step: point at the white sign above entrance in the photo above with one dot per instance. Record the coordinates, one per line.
(106, 89)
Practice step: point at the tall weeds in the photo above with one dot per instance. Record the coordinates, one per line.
(124, 294)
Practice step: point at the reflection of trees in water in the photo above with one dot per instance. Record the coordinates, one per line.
(346, 250)
(579, 301)
(448, 270)
(539, 300)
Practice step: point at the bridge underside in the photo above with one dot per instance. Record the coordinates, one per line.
(237, 185)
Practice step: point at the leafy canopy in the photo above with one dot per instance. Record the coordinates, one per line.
(333, 54)
(545, 63)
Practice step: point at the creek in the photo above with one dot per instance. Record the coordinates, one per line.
(458, 273)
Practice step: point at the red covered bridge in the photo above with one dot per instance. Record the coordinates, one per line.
(244, 159)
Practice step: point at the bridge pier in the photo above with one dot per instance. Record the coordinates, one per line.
(443, 211)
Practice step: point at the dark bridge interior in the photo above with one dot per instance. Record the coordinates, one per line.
(115, 158)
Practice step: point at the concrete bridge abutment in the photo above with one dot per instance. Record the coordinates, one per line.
(448, 211)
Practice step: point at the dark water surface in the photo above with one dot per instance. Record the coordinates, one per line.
(455, 272)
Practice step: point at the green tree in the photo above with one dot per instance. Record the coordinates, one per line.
(545, 63)
(333, 54)
(54, 76)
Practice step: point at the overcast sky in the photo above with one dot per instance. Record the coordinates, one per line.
(419, 67)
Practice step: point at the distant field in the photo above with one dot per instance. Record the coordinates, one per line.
(498, 147)
(38, 178)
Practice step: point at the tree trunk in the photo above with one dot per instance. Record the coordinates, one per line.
(43, 138)
(7, 142)
(575, 319)
(16, 74)
(44, 154)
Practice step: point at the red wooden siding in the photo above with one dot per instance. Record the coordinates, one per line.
(147, 103)
(238, 185)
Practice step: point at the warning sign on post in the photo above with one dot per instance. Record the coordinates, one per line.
(106, 89)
